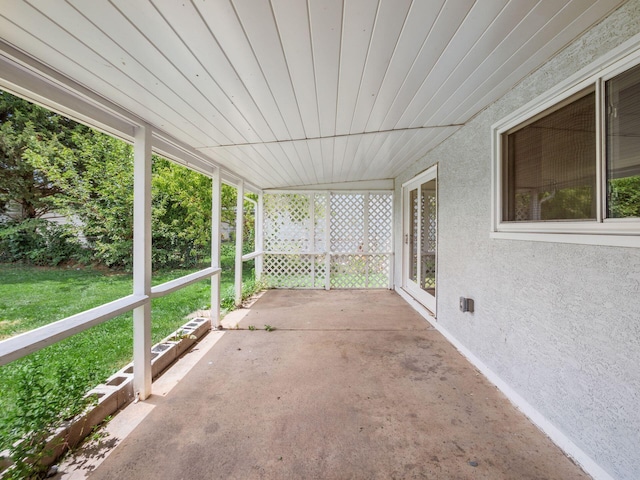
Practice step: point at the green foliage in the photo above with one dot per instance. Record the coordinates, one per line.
(27, 130)
(624, 197)
(41, 406)
(39, 242)
(181, 219)
(568, 203)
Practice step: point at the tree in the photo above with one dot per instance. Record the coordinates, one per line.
(27, 129)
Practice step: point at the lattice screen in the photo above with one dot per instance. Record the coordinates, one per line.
(358, 231)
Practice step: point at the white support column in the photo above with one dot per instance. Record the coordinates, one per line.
(259, 247)
(312, 234)
(216, 204)
(142, 262)
(365, 241)
(327, 243)
(239, 239)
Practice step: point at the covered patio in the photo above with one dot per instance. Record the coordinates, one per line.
(350, 384)
(331, 114)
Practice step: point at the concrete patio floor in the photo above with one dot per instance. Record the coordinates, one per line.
(350, 384)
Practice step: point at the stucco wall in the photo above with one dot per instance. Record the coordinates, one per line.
(559, 323)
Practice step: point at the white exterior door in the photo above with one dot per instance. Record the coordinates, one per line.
(420, 233)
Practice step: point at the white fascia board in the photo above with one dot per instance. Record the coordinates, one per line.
(29, 79)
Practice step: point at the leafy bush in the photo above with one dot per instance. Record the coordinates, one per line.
(39, 242)
(41, 406)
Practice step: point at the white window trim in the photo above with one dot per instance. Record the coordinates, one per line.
(613, 232)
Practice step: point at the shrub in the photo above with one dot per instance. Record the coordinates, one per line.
(39, 242)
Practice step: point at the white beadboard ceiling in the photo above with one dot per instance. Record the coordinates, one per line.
(298, 93)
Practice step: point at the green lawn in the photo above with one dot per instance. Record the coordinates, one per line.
(31, 297)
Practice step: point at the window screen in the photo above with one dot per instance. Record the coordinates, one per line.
(623, 145)
(549, 169)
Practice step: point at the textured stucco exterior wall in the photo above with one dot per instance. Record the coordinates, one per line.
(559, 323)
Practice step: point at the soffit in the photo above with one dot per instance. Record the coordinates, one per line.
(297, 93)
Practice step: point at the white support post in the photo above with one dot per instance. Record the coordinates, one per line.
(216, 205)
(259, 247)
(142, 262)
(327, 243)
(312, 234)
(239, 239)
(365, 241)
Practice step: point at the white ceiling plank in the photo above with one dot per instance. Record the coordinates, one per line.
(143, 59)
(487, 47)
(444, 28)
(85, 73)
(326, 146)
(259, 25)
(339, 160)
(304, 161)
(274, 158)
(391, 17)
(538, 28)
(245, 160)
(476, 23)
(359, 16)
(419, 21)
(225, 26)
(304, 156)
(315, 151)
(353, 142)
(292, 19)
(193, 31)
(326, 33)
(292, 92)
(157, 29)
(107, 60)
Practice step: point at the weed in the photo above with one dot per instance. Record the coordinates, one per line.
(252, 327)
(269, 328)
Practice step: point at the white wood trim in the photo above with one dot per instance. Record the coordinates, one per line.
(259, 235)
(21, 345)
(216, 205)
(142, 261)
(603, 240)
(239, 239)
(251, 255)
(181, 282)
(558, 437)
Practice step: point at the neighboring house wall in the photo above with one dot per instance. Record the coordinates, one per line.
(558, 323)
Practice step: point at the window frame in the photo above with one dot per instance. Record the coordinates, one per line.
(601, 231)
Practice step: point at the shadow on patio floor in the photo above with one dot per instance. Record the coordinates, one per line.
(351, 384)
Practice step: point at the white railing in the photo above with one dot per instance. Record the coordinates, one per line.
(29, 342)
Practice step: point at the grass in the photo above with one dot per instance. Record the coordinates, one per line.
(31, 297)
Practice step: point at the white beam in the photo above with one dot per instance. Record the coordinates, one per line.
(21, 345)
(216, 205)
(142, 262)
(239, 239)
(259, 235)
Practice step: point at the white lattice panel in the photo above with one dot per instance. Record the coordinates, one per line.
(286, 223)
(347, 223)
(380, 224)
(294, 270)
(297, 234)
(320, 220)
(359, 271)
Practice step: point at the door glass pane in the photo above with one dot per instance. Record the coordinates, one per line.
(623, 145)
(428, 232)
(413, 237)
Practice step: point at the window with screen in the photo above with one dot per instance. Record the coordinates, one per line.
(550, 165)
(572, 165)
